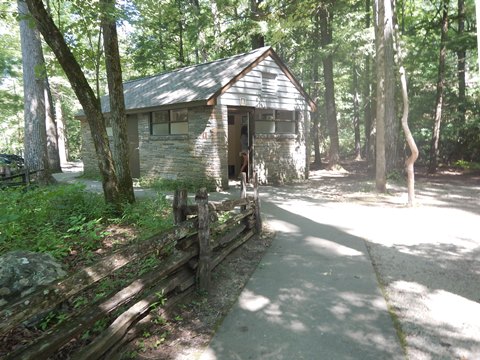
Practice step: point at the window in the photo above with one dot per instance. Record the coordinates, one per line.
(169, 122)
(269, 83)
(285, 122)
(269, 121)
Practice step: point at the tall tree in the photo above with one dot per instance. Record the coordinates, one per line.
(434, 147)
(410, 160)
(367, 96)
(35, 142)
(257, 14)
(391, 123)
(326, 17)
(85, 95)
(356, 113)
(118, 117)
(461, 57)
(53, 151)
(316, 91)
(380, 162)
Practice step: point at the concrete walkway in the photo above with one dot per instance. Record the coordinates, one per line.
(314, 295)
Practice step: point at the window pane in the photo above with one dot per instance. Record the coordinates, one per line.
(179, 128)
(160, 129)
(285, 127)
(265, 127)
(160, 117)
(179, 115)
(284, 115)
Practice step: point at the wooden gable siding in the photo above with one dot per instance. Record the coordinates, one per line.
(248, 91)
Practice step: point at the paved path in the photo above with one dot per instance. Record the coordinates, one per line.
(314, 295)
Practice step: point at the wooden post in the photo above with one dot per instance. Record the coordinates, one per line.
(205, 250)
(243, 185)
(258, 218)
(179, 206)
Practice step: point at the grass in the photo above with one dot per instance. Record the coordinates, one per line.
(66, 219)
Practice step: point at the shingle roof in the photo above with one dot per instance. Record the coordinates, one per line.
(194, 83)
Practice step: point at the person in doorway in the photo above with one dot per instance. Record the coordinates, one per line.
(244, 149)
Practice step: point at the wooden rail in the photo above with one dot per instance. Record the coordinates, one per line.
(189, 252)
(25, 175)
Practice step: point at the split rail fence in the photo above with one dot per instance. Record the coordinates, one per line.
(189, 251)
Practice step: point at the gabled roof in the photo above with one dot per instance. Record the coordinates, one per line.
(199, 83)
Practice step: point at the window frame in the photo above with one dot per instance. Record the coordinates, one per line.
(170, 119)
(274, 116)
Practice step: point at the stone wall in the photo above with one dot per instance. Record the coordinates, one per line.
(281, 158)
(200, 155)
(89, 156)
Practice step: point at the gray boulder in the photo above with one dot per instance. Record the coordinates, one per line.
(21, 272)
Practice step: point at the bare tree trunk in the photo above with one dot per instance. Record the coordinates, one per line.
(410, 161)
(35, 141)
(391, 123)
(367, 98)
(434, 149)
(85, 95)
(316, 93)
(62, 146)
(326, 39)
(380, 163)
(356, 114)
(477, 16)
(461, 56)
(52, 132)
(256, 14)
(118, 117)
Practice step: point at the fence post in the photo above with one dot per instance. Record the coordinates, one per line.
(205, 250)
(258, 218)
(243, 185)
(179, 205)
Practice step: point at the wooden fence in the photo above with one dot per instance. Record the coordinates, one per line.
(6, 177)
(189, 252)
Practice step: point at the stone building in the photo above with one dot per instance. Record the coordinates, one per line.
(186, 124)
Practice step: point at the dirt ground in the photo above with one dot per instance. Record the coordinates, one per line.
(427, 277)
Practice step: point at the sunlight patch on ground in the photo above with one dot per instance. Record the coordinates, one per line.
(252, 302)
(450, 323)
(283, 226)
(331, 248)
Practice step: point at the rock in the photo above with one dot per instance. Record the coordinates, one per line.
(21, 272)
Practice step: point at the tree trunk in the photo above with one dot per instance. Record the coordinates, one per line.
(391, 123)
(316, 94)
(434, 148)
(118, 117)
(356, 114)
(380, 164)
(62, 146)
(367, 99)
(461, 56)
(331, 111)
(52, 132)
(85, 95)
(257, 39)
(35, 140)
(410, 161)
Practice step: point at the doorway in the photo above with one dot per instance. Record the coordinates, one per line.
(237, 118)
